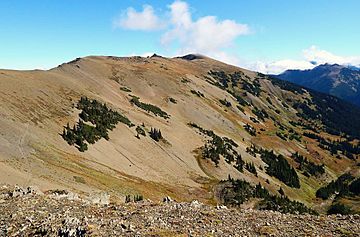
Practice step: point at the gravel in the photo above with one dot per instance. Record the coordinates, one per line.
(32, 213)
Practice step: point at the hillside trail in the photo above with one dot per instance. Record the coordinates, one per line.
(23, 155)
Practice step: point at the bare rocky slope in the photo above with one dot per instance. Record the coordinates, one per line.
(56, 213)
(216, 121)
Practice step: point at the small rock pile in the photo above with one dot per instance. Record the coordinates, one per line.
(61, 213)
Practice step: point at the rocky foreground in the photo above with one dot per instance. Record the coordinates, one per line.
(29, 212)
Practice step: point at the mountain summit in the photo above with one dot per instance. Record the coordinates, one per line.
(333, 79)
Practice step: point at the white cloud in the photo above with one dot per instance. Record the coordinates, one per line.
(180, 14)
(279, 66)
(144, 54)
(212, 37)
(314, 54)
(311, 57)
(207, 35)
(146, 20)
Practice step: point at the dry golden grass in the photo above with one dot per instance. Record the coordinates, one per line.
(37, 104)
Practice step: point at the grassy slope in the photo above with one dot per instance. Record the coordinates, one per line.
(36, 104)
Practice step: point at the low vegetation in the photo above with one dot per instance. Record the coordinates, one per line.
(240, 191)
(135, 198)
(149, 107)
(340, 187)
(260, 113)
(225, 103)
(342, 145)
(172, 100)
(329, 110)
(250, 129)
(124, 88)
(197, 93)
(280, 168)
(96, 119)
(309, 168)
(155, 134)
(220, 146)
(140, 131)
(344, 187)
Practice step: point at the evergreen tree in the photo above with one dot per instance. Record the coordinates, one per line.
(281, 191)
(155, 134)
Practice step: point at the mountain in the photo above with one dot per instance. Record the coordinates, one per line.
(337, 80)
(188, 128)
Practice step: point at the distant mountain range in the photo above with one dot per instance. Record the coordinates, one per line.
(337, 80)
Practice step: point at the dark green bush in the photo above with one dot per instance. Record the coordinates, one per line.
(241, 191)
(140, 130)
(149, 107)
(225, 103)
(101, 119)
(280, 168)
(340, 185)
(155, 134)
(354, 187)
(308, 166)
(217, 146)
(172, 100)
(198, 93)
(250, 129)
(339, 208)
(124, 88)
(251, 168)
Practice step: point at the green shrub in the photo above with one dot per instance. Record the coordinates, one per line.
(240, 191)
(251, 168)
(198, 93)
(149, 107)
(250, 129)
(281, 135)
(124, 88)
(217, 146)
(138, 198)
(225, 103)
(340, 185)
(101, 119)
(354, 187)
(155, 134)
(140, 131)
(339, 208)
(260, 113)
(308, 166)
(172, 100)
(280, 168)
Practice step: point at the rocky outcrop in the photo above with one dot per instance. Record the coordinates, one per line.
(49, 215)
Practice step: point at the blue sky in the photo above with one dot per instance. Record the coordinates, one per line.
(264, 35)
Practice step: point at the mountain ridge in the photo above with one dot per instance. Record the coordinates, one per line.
(223, 121)
(334, 79)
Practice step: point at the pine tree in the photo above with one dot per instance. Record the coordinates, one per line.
(281, 191)
(127, 198)
(155, 134)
